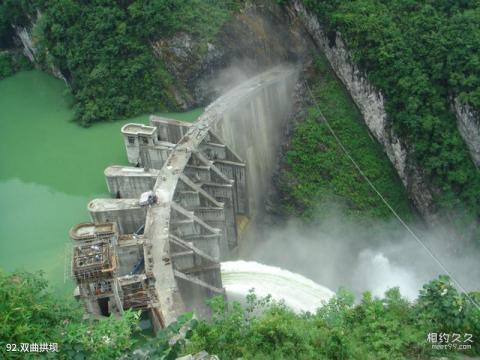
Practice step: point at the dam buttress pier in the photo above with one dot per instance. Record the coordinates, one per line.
(182, 205)
(112, 261)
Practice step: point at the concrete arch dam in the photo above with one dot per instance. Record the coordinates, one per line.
(203, 183)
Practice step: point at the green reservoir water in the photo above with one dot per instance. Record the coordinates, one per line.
(50, 169)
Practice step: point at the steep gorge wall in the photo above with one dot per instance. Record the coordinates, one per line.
(468, 125)
(26, 43)
(370, 101)
(24, 36)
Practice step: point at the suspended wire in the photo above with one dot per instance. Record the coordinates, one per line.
(409, 230)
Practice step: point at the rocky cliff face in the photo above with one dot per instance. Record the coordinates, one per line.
(252, 41)
(371, 104)
(25, 43)
(468, 125)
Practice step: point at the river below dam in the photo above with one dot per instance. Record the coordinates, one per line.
(51, 168)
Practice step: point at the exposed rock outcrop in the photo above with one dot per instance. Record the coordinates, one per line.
(370, 101)
(253, 40)
(202, 355)
(468, 125)
(260, 36)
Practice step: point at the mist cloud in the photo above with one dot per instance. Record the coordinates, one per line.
(337, 252)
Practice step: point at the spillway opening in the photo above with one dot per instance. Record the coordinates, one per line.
(296, 291)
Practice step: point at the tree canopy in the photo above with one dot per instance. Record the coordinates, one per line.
(390, 327)
(104, 47)
(374, 328)
(420, 55)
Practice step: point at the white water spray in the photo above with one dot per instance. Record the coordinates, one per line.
(377, 274)
(298, 292)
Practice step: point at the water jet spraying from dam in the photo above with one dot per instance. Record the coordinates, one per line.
(296, 291)
(205, 185)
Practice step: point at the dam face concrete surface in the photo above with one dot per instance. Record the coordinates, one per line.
(183, 205)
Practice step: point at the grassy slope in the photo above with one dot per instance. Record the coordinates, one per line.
(317, 168)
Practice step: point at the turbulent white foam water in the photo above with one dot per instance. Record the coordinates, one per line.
(298, 292)
(384, 275)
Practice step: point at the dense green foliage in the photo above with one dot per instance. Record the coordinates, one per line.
(317, 170)
(420, 54)
(388, 328)
(30, 313)
(15, 13)
(7, 67)
(169, 342)
(104, 48)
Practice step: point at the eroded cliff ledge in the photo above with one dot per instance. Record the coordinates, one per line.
(370, 101)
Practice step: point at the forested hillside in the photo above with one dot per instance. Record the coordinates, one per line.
(104, 48)
(387, 328)
(420, 55)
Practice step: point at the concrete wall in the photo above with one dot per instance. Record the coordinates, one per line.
(253, 127)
